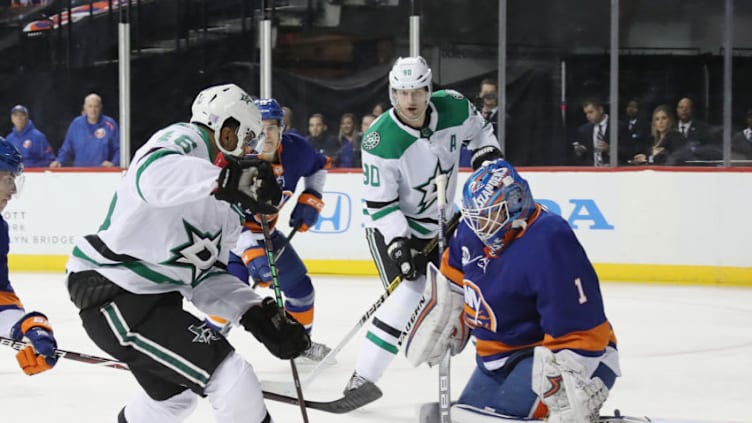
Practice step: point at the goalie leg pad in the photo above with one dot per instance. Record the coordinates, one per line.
(439, 325)
(563, 385)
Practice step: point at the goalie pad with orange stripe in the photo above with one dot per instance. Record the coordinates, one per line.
(439, 326)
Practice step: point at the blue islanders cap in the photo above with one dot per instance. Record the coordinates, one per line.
(19, 108)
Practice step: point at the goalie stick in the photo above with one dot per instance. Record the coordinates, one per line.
(429, 413)
(70, 355)
(444, 364)
(306, 381)
(353, 400)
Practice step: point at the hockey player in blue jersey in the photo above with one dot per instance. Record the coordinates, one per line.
(293, 158)
(522, 284)
(15, 322)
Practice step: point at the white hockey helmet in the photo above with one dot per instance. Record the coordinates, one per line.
(214, 105)
(409, 73)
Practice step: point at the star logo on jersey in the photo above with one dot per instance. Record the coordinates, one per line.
(204, 334)
(199, 253)
(428, 188)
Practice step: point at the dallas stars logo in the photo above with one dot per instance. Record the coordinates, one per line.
(428, 188)
(204, 334)
(246, 98)
(199, 253)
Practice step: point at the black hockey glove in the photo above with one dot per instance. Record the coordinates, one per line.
(484, 153)
(250, 184)
(280, 334)
(401, 253)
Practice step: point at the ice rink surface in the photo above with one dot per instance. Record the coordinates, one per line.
(686, 354)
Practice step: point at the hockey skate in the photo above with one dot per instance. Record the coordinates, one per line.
(316, 353)
(355, 382)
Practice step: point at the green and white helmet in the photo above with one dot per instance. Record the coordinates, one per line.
(214, 105)
(409, 73)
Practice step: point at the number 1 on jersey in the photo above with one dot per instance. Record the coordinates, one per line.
(578, 284)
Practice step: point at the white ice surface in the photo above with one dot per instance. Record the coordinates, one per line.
(686, 354)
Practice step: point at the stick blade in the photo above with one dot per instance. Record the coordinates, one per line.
(354, 399)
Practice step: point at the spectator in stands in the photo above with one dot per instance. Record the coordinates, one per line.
(741, 143)
(698, 147)
(489, 102)
(30, 141)
(634, 134)
(366, 122)
(93, 139)
(664, 137)
(318, 137)
(287, 121)
(692, 130)
(590, 147)
(348, 139)
(379, 108)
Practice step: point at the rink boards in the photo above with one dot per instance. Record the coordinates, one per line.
(650, 225)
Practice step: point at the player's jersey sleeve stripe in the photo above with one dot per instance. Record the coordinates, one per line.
(592, 340)
(418, 227)
(452, 273)
(152, 157)
(383, 212)
(9, 300)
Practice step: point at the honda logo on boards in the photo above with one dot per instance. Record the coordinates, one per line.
(337, 214)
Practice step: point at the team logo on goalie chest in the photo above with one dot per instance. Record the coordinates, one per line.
(371, 141)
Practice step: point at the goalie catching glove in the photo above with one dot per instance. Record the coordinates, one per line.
(250, 184)
(561, 382)
(439, 326)
(36, 330)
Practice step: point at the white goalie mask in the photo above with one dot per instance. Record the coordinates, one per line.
(214, 105)
(409, 73)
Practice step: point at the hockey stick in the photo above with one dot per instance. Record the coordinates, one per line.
(352, 400)
(281, 250)
(70, 355)
(283, 247)
(432, 244)
(444, 369)
(269, 248)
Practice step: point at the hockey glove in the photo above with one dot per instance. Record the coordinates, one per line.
(402, 255)
(250, 184)
(484, 153)
(280, 333)
(306, 212)
(257, 263)
(562, 383)
(36, 330)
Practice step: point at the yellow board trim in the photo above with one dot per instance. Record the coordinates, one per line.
(643, 273)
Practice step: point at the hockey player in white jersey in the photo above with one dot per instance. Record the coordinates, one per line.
(402, 152)
(167, 236)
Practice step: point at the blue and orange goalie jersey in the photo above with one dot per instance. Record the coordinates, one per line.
(540, 290)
